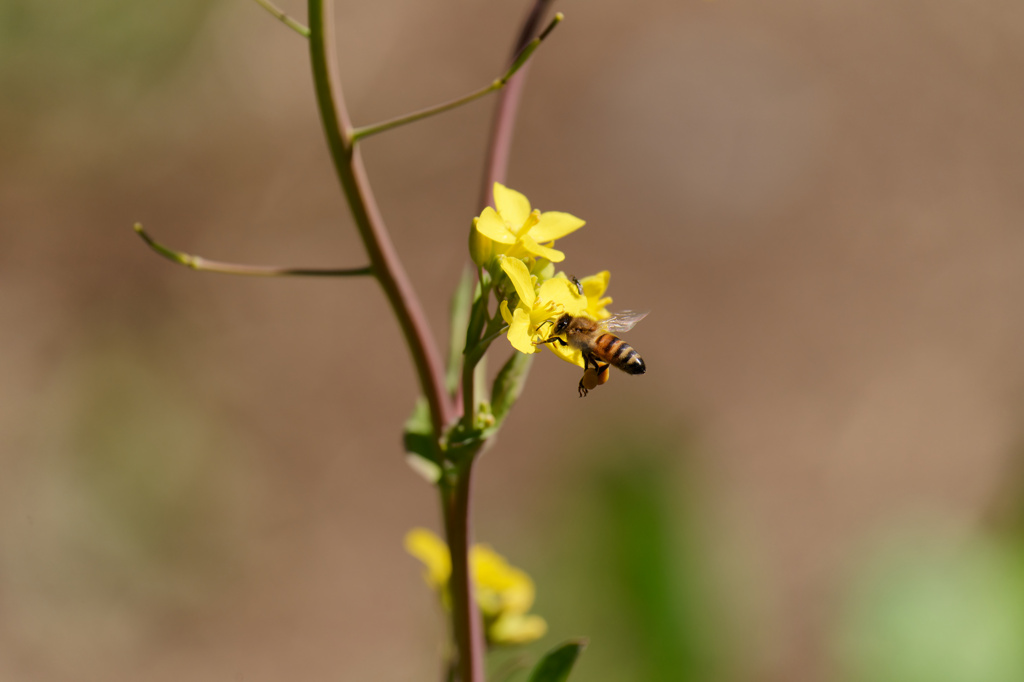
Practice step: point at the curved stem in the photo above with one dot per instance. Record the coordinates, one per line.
(497, 84)
(284, 18)
(207, 265)
(383, 258)
(496, 165)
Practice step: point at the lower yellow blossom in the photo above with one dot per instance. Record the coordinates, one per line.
(504, 593)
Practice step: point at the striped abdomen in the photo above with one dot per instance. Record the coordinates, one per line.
(613, 350)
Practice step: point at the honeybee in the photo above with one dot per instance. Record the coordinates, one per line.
(599, 345)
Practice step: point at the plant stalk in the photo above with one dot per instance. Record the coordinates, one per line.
(467, 627)
(383, 258)
(207, 265)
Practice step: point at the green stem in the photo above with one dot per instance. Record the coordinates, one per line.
(206, 265)
(493, 335)
(466, 624)
(474, 354)
(498, 84)
(383, 258)
(284, 18)
(467, 628)
(367, 131)
(478, 322)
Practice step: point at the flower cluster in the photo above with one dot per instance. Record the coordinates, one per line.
(503, 593)
(515, 244)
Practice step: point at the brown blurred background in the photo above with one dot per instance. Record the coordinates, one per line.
(202, 476)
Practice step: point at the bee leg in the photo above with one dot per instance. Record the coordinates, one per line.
(593, 376)
(551, 340)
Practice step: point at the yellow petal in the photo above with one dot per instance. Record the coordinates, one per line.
(506, 587)
(505, 313)
(519, 593)
(519, 275)
(433, 552)
(598, 309)
(492, 226)
(535, 249)
(513, 206)
(517, 629)
(555, 225)
(595, 285)
(491, 569)
(519, 332)
(563, 293)
(567, 353)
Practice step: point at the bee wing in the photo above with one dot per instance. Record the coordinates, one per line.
(624, 321)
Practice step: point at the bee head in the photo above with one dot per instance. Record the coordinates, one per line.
(562, 324)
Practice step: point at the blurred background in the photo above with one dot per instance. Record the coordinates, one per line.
(818, 478)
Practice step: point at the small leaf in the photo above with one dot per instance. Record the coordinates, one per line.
(509, 384)
(463, 442)
(557, 663)
(418, 439)
(424, 467)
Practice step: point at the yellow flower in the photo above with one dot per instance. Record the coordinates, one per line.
(432, 551)
(504, 593)
(517, 231)
(537, 307)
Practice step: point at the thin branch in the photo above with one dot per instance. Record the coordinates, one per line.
(284, 18)
(206, 265)
(498, 152)
(367, 131)
(497, 84)
(384, 258)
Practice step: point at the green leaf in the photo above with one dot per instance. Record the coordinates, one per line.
(478, 317)
(509, 384)
(462, 300)
(557, 663)
(418, 439)
(463, 442)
